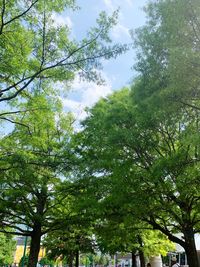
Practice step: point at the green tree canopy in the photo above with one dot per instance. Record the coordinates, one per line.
(35, 49)
(32, 167)
(67, 243)
(168, 53)
(151, 160)
(7, 249)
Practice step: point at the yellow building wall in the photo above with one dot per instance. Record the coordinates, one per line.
(20, 251)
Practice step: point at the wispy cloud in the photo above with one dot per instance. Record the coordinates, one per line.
(120, 31)
(129, 2)
(76, 107)
(88, 94)
(109, 5)
(62, 20)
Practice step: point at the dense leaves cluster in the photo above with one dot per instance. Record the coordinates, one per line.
(31, 167)
(7, 247)
(35, 48)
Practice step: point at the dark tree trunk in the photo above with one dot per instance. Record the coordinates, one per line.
(116, 260)
(188, 244)
(34, 246)
(142, 259)
(190, 249)
(71, 257)
(133, 256)
(77, 259)
(141, 253)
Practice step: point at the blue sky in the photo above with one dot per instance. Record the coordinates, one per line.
(117, 72)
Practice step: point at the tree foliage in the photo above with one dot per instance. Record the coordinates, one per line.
(65, 244)
(32, 163)
(36, 53)
(7, 248)
(150, 159)
(168, 53)
(149, 144)
(34, 49)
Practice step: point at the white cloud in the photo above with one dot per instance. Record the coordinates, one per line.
(88, 94)
(94, 92)
(62, 20)
(109, 4)
(129, 2)
(71, 104)
(76, 107)
(120, 31)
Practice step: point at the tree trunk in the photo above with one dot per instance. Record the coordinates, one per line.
(35, 246)
(71, 257)
(77, 259)
(141, 253)
(133, 256)
(188, 244)
(190, 249)
(142, 259)
(115, 256)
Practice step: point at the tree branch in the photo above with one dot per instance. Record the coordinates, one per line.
(2, 15)
(16, 122)
(22, 14)
(165, 231)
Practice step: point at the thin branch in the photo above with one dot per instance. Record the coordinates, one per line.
(190, 105)
(43, 40)
(16, 84)
(2, 15)
(22, 14)
(15, 233)
(57, 64)
(16, 122)
(88, 58)
(4, 224)
(21, 111)
(84, 45)
(166, 232)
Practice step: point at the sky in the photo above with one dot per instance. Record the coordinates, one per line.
(116, 72)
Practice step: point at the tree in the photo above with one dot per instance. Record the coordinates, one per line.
(31, 167)
(36, 53)
(35, 50)
(119, 237)
(7, 248)
(152, 158)
(147, 142)
(70, 239)
(67, 244)
(115, 228)
(125, 234)
(45, 261)
(168, 53)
